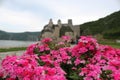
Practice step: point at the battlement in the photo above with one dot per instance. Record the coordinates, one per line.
(50, 24)
(55, 31)
(70, 22)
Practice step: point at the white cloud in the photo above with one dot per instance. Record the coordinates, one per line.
(68, 10)
(26, 20)
(78, 10)
(64, 9)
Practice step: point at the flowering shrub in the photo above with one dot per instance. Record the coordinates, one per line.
(48, 60)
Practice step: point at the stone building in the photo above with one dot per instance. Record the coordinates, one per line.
(55, 31)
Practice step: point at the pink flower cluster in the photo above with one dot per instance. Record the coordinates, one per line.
(26, 67)
(85, 44)
(56, 57)
(99, 62)
(47, 60)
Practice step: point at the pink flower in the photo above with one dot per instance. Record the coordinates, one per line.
(47, 59)
(51, 71)
(77, 61)
(61, 43)
(66, 38)
(30, 49)
(1, 73)
(43, 48)
(46, 40)
(116, 76)
(10, 79)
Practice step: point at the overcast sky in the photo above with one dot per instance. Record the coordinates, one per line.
(32, 15)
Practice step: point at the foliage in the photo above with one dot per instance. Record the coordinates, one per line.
(25, 36)
(108, 26)
(48, 60)
(114, 33)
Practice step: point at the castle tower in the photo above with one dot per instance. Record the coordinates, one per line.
(50, 24)
(59, 23)
(70, 23)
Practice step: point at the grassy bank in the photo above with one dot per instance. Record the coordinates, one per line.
(12, 49)
(111, 43)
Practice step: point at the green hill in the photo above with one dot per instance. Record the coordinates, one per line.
(25, 36)
(108, 27)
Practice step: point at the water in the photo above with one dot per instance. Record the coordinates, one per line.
(14, 43)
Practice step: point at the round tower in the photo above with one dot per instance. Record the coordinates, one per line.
(59, 23)
(50, 24)
(70, 22)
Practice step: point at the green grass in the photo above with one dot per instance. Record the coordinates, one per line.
(12, 49)
(110, 43)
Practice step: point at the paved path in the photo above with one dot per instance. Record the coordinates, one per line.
(3, 54)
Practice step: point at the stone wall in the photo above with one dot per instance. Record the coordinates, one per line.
(53, 30)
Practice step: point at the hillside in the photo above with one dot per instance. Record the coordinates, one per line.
(25, 36)
(108, 26)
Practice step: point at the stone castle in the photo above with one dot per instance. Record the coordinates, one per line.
(55, 31)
